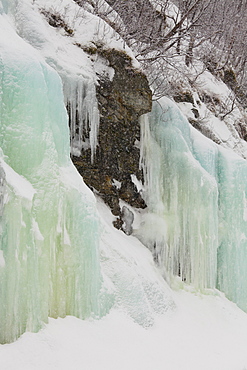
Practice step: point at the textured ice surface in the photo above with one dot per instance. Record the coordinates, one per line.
(232, 251)
(182, 194)
(49, 226)
(199, 191)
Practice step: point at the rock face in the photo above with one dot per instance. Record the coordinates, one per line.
(123, 96)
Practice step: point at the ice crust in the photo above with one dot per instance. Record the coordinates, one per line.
(80, 98)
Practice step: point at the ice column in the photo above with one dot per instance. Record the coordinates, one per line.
(181, 226)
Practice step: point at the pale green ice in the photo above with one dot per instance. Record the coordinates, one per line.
(49, 226)
(200, 191)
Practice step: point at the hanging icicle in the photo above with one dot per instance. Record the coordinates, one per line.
(81, 102)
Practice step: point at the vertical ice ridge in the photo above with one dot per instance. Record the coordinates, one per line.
(181, 193)
(232, 251)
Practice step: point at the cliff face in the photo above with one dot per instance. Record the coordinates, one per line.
(123, 96)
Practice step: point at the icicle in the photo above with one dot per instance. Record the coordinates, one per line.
(82, 105)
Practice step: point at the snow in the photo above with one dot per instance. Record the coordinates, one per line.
(211, 114)
(205, 332)
(18, 183)
(137, 183)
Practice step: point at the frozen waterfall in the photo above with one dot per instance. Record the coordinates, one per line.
(57, 257)
(196, 193)
(182, 193)
(49, 264)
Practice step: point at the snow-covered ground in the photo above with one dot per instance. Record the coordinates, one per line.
(204, 332)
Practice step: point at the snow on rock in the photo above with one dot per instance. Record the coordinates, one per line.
(213, 110)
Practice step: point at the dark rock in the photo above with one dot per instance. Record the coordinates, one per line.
(195, 112)
(121, 101)
(55, 20)
(118, 223)
(230, 79)
(128, 192)
(183, 96)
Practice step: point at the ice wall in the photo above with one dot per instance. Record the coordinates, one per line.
(196, 224)
(49, 227)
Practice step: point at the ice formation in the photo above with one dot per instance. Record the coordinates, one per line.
(196, 195)
(80, 99)
(196, 192)
(182, 194)
(50, 229)
(49, 226)
(232, 251)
